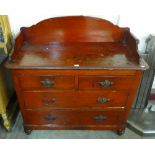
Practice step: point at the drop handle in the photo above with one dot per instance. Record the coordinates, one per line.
(48, 101)
(100, 118)
(102, 100)
(105, 83)
(47, 83)
(50, 118)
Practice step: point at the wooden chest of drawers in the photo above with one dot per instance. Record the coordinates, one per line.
(75, 79)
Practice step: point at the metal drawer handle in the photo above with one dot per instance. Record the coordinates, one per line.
(101, 100)
(50, 118)
(100, 118)
(47, 83)
(48, 101)
(105, 83)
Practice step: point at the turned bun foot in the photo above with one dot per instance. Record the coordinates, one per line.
(27, 131)
(120, 132)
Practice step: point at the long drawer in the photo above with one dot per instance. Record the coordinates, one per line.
(47, 82)
(102, 99)
(71, 117)
(105, 82)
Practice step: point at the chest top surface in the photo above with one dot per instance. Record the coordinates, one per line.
(75, 42)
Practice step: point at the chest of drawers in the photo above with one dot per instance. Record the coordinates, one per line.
(69, 76)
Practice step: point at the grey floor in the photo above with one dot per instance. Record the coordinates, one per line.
(17, 133)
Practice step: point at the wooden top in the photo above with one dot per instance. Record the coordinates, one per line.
(75, 43)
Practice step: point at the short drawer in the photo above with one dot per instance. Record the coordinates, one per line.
(105, 82)
(103, 99)
(71, 117)
(47, 82)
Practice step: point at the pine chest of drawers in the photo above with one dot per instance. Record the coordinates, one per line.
(75, 73)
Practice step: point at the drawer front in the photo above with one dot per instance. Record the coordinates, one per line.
(66, 117)
(42, 82)
(105, 99)
(105, 82)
